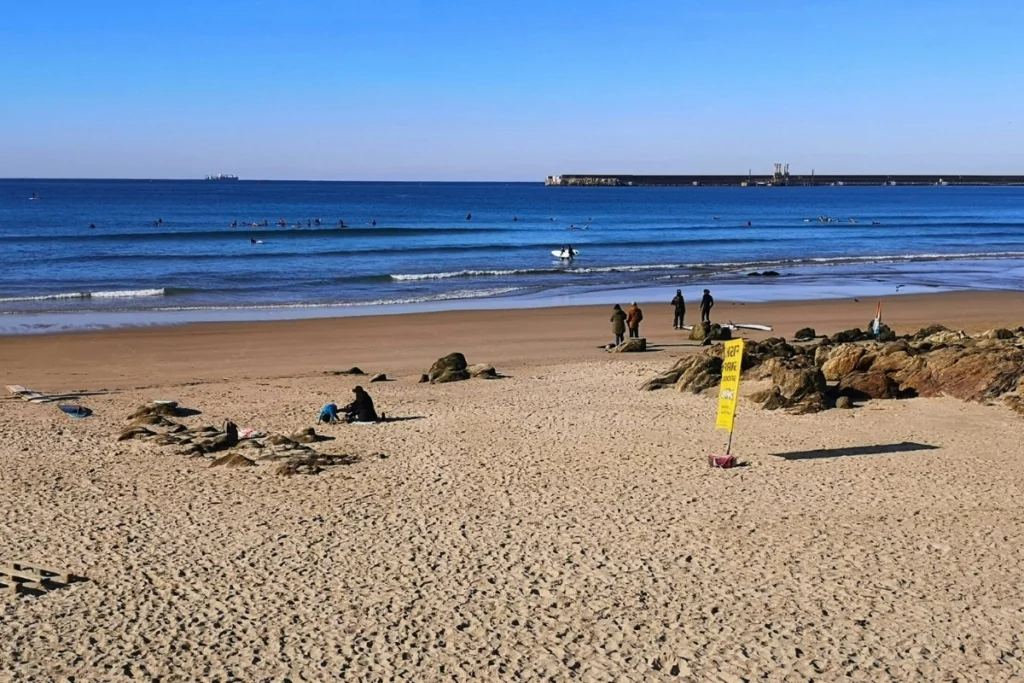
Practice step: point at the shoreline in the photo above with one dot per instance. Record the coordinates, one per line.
(404, 344)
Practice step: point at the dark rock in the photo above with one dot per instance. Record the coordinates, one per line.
(928, 331)
(805, 334)
(861, 386)
(849, 336)
(350, 371)
(844, 403)
(307, 435)
(222, 442)
(136, 432)
(997, 334)
(381, 377)
(635, 345)
(424, 379)
(718, 333)
(451, 368)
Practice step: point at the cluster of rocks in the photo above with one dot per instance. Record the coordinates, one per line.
(454, 368)
(767, 273)
(844, 368)
(226, 447)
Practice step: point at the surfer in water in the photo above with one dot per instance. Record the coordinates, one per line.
(374, 222)
(92, 226)
(252, 240)
(568, 254)
(469, 216)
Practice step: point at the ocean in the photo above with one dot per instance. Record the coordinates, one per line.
(77, 254)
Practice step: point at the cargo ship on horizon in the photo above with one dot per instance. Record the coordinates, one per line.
(222, 176)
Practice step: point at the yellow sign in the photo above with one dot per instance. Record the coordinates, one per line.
(729, 391)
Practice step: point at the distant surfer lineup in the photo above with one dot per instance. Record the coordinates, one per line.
(205, 250)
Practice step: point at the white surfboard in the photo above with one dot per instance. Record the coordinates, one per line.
(562, 254)
(739, 326)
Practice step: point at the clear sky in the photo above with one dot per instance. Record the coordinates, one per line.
(490, 90)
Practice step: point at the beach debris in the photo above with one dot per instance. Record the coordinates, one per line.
(380, 377)
(451, 368)
(933, 362)
(805, 334)
(699, 332)
(32, 579)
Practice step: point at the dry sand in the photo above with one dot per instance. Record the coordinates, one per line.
(554, 525)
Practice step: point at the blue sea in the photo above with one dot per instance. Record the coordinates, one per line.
(78, 254)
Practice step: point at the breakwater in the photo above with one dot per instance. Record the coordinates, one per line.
(776, 180)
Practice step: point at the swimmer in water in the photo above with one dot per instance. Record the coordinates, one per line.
(469, 216)
(252, 240)
(92, 226)
(281, 223)
(373, 222)
(341, 223)
(234, 224)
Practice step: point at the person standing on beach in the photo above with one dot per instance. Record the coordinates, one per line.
(618, 324)
(633, 319)
(680, 310)
(706, 304)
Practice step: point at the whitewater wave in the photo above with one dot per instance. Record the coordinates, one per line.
(117, 294)
(447, 296)
(407, 277)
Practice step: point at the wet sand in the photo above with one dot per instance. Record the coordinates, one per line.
(557, 524)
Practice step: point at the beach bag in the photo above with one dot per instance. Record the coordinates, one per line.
(328, 414)
(722, 461)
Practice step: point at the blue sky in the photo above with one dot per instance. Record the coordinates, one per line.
(439, 90)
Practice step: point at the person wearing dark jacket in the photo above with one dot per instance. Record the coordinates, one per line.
(618, 324)
(680, 310)
(361, 409)
(633, 319)
(706, 304)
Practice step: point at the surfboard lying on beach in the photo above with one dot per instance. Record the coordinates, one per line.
(562, 254)
(739, 326)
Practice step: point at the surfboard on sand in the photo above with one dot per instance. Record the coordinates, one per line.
(76, 411)
(738, 326)
(562, 254)
(28, 395)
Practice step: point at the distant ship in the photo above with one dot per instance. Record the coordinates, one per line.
(222, 176)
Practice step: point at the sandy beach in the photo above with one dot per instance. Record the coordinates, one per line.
(555, 524)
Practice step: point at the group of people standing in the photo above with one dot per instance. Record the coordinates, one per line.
(622, 320)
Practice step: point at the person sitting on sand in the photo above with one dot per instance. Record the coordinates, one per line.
(618, 324)
(633, 319)
(679, 304)
(361, 409)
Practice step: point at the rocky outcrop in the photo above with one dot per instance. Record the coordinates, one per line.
(451, 368)
(379, 377)
(933, 362)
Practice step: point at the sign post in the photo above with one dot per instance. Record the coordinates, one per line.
(728, 397)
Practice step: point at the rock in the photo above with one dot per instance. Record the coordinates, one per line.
(944, 337)
(350, 371)
(767, 273)
(424, 379)
(718, 333)
(380, 377)
(842, 360)
(153, 410)
(795, 387)
(849, 336)
(635, 345)
(821, 354)
(862, 386)
(451, 368)
(303, 466)
(279, 440)
(805, 334)
(307, 435)
(154, 420)
(482, 370)
(698, 373)
(997, 334)
(928, 331)
(844, 403)
(232, 460)
(194, 450)
(136, 432)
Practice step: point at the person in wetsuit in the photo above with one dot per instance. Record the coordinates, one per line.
(679, 305)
